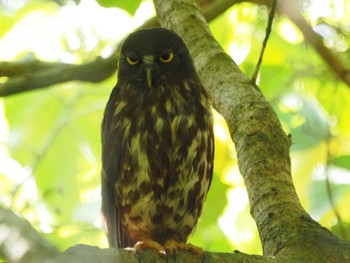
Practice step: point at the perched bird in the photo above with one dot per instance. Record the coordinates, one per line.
(157, 144)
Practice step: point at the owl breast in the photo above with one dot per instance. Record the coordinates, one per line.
(167, 164)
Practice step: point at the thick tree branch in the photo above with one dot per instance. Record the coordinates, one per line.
(88, 254)
(285, 229)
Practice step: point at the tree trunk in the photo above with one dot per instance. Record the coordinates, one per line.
(285, 229)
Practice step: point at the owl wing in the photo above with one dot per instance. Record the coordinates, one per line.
(112, 159)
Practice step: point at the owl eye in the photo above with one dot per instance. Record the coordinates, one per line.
(132, 61)
(167, 57)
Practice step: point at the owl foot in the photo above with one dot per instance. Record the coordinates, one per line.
(172, 246)
(145, 244)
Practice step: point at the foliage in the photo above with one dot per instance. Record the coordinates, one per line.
(50, 142)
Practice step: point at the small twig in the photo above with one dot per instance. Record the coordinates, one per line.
(268, 31)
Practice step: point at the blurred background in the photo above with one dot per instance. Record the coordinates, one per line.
(50, 138)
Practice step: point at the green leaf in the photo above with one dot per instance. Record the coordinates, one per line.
(129, 6)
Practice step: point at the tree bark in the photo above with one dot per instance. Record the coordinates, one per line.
(285, 229)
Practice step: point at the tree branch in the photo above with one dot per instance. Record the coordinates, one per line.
(9, 69)
(87, 254)
(45, 74)
(285, 229)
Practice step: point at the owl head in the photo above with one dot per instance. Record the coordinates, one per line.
(151, 56)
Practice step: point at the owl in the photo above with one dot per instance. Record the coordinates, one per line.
(157, 144)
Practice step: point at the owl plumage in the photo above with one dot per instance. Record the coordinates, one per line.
(157, 143)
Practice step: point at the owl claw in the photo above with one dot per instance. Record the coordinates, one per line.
(172, 246)
(145, 244)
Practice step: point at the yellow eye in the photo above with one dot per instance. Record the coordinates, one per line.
(132, 61)
(166, 58)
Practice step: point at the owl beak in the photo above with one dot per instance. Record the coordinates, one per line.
(149, 60)
(149, 76)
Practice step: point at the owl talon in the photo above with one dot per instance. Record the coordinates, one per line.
(150, 244)
(172, 246)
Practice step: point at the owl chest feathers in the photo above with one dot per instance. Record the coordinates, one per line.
(168, 152)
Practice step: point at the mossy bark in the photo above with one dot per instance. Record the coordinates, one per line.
(285, 228)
